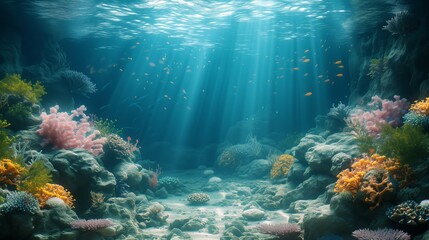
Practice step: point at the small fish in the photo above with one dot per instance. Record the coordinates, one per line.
(327, 80)
(306, 51)
(295, 69)
(341, 66)
(308, 94)
(339, 75)
(306, 60)
(320, 76)
(305, 74)
(338, 62)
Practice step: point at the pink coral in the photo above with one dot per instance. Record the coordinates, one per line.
(91, 224)
(60, 130)
(382, 112)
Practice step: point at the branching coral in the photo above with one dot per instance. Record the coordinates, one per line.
(53, 190)
(381, 112)
(373, 187)
(381, 234)
(282, 166)
(60, 130)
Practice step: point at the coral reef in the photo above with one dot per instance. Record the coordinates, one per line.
(381, 234)
(409, 213)
(50, 190)
(10, 171)
(60, 130)
(198, 198)
(282, 166)
(383, 112)
(281, 230)
(20, 202)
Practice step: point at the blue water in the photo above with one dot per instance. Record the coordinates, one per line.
(193, 73)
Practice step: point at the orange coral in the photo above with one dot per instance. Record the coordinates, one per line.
(282, 166)
(51, 190)
(350, 180)
(9, 171)
(421, 107)
(375, 187)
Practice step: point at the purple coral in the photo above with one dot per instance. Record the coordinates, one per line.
(60, 130)
(288, 231)
(381, 234)
(91, 224)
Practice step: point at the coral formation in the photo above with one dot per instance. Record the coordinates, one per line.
(282, 166)
(198, 198)
(10, 171)
(281, 230)
(381, 112)
(373, 188)
(20, 202)
(60, 130)
(409, 213)
(51, 190)
(421, 107)
(381, 234)
(91, 224)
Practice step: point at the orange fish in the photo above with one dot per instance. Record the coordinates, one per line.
(308, 94)
(306, 60)
(340, 75)
(306, 51)
(341, 66)
(295, 69)
(338, 62)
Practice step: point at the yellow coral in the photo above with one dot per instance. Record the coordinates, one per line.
(13, 84)
(282, 166)
(350, 180)
(9, 171)
(421, 107)
(51, 190)
(375, 188)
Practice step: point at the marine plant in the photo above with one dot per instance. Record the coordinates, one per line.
(34, 177)
(5, 140)
(14, 85)
(20, 202)
(381, 234)
(400, 24)
(282, 166)
(288, 231)
(106, 126)
(62, 131)
(377, 66)
(10, 172)
(78, 82)
(50, 190)
(409, 144)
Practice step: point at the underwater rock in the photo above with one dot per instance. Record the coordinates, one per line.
(319, 221)
(319, 157)
(208, 172)
(256, 169)
(253, 214)
(55, 222)
(17, 226)
(309, 189)
(177, 234)
(80, 172)
(129, 173)
(193, 224)
(340, 161)
(308, 141)
(161, 193)
(214, 180)
(296, 173)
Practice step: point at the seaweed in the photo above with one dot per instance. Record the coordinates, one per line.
(35, 177)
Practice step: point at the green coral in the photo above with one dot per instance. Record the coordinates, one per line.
(409, 144)
(36, 176)
(14, 85)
